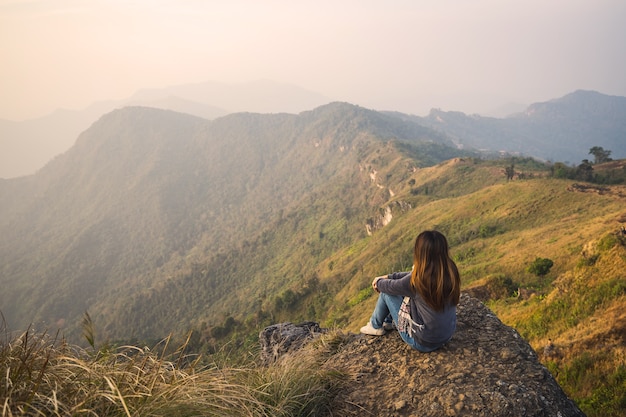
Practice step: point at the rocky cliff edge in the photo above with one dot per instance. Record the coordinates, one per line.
(487, 369)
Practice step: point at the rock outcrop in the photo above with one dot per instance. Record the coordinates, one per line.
(487, 369)
(279, 339)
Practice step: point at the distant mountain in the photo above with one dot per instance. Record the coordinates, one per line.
(145, 194)
(262, 96)
(560, 130)
(28, 145)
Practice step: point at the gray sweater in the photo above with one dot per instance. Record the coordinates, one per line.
(434, 327)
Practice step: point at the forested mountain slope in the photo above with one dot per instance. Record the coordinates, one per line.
(155, 218)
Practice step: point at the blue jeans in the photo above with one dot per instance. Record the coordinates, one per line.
(390, 305)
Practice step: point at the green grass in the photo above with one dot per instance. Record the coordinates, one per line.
(362, 295)
(581, 311)
(594, 374)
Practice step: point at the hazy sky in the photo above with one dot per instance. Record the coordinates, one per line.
(406, 55)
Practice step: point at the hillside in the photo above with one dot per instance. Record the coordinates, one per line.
(157, 222)
(153, 208)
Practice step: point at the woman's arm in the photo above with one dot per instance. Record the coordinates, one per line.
(398, 275)
(398, 284)
(374, 282)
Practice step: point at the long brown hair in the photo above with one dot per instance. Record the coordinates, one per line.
(435, 275)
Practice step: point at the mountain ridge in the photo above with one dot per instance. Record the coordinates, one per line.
(29, 144)
(26, 146)
(559, 130)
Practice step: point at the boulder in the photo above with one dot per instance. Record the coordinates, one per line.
(279, 339)
(487, 370)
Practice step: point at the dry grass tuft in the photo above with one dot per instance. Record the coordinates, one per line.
(43, 375)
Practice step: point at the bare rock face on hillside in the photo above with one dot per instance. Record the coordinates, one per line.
(487, 369)
(279, 339)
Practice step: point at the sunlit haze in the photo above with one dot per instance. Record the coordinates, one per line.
(410, 55)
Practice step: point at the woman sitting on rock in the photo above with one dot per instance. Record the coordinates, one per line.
(422, 302)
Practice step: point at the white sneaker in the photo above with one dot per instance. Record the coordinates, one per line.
(369, 329)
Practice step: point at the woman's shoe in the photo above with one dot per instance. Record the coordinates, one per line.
(389, 326)
(369, 329)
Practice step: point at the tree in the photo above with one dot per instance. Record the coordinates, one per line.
(600, 154)
(559, 170)
(584, 171)
(509, 172)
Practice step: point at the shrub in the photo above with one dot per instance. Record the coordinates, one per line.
(540, 266)
(501, 286)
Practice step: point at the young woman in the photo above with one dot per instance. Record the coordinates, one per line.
(421, 302)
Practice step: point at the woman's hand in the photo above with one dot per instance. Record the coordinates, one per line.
(376, 280)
